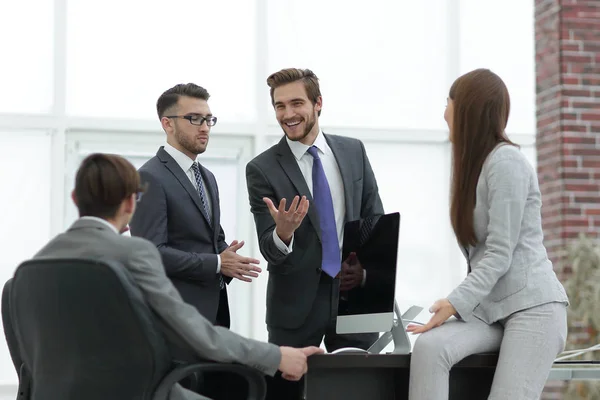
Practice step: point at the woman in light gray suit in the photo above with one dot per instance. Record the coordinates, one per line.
(511, 300)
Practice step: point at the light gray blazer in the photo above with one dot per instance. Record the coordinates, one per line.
(93, 239)
(510, 270)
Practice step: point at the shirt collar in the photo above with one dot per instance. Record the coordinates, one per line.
(103, 221)
(181, 159)
(299, 149)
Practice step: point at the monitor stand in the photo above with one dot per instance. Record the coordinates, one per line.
(398, 332)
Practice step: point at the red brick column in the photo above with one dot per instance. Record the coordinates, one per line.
(568, 120)
(567, 48)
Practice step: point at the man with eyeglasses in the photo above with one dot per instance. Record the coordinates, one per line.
(180, 213)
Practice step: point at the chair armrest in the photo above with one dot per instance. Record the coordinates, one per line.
(257, 387)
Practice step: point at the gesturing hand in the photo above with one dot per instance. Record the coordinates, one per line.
(442, 310)
(237, 266)
(286, 222)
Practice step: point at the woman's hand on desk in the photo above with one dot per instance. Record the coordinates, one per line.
(442, 310)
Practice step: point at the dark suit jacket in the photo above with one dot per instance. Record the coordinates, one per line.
(170, 216)
(294, 278)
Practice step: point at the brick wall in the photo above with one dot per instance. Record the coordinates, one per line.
(568, 119)
(568, 129)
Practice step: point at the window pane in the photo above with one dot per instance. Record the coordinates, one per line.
(25, 226)
(381, 63)
(485, 42)
(425, 272)
(26, 71)
(123, 54)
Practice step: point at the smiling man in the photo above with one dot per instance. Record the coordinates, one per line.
(327, 179)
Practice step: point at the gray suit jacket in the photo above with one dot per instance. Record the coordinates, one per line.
(510, 270)
(93, 239)
(170, 216)
(294, 278)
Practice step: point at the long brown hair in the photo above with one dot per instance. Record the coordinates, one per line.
(481, 106)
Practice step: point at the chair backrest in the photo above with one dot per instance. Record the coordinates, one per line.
(9, 332)
(85, 331)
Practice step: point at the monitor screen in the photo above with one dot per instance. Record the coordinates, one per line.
(368, 275)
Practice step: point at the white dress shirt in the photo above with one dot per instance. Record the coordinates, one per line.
(186, 165)
(334, 179)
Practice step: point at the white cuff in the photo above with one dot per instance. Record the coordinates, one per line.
(285, 249)
(364, 279)
(218, 263)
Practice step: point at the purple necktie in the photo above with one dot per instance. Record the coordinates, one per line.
(324, 204)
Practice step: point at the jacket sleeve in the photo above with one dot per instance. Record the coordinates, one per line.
(209, 341)
(258, 188)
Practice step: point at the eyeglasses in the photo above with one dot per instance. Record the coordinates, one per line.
(196, 119)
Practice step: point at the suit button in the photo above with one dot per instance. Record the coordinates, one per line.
(319, 270)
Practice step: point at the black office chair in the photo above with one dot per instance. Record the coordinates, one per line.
(82, 330)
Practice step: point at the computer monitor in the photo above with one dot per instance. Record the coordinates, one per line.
(369, 305)
(370, 248)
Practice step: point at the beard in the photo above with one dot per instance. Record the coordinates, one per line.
(309, 125)
(189, 144)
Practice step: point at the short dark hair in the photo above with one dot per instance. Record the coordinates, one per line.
(170, 97)
(102, 182)
(290, 75)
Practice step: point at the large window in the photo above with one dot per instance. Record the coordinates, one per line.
(26, 69)
(25, 202)
(499, 35)
(123, 54)
(382, 64)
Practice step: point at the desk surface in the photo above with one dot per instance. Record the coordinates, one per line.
(362, 360)
(360, 376)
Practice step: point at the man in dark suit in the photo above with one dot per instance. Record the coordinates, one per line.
(180, 213)
(327, 178)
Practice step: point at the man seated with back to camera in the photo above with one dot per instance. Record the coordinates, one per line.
(107, 188)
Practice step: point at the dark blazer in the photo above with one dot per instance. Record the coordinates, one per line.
(294, 278)
(170, 216)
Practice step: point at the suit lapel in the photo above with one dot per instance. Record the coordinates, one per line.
(344, 164)
(182, 178)
(290, 167)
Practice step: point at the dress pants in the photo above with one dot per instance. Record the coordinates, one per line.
(528, 341)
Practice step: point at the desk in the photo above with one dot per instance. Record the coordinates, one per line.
(385, 376)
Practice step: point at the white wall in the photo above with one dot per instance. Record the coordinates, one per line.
(84, 78)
